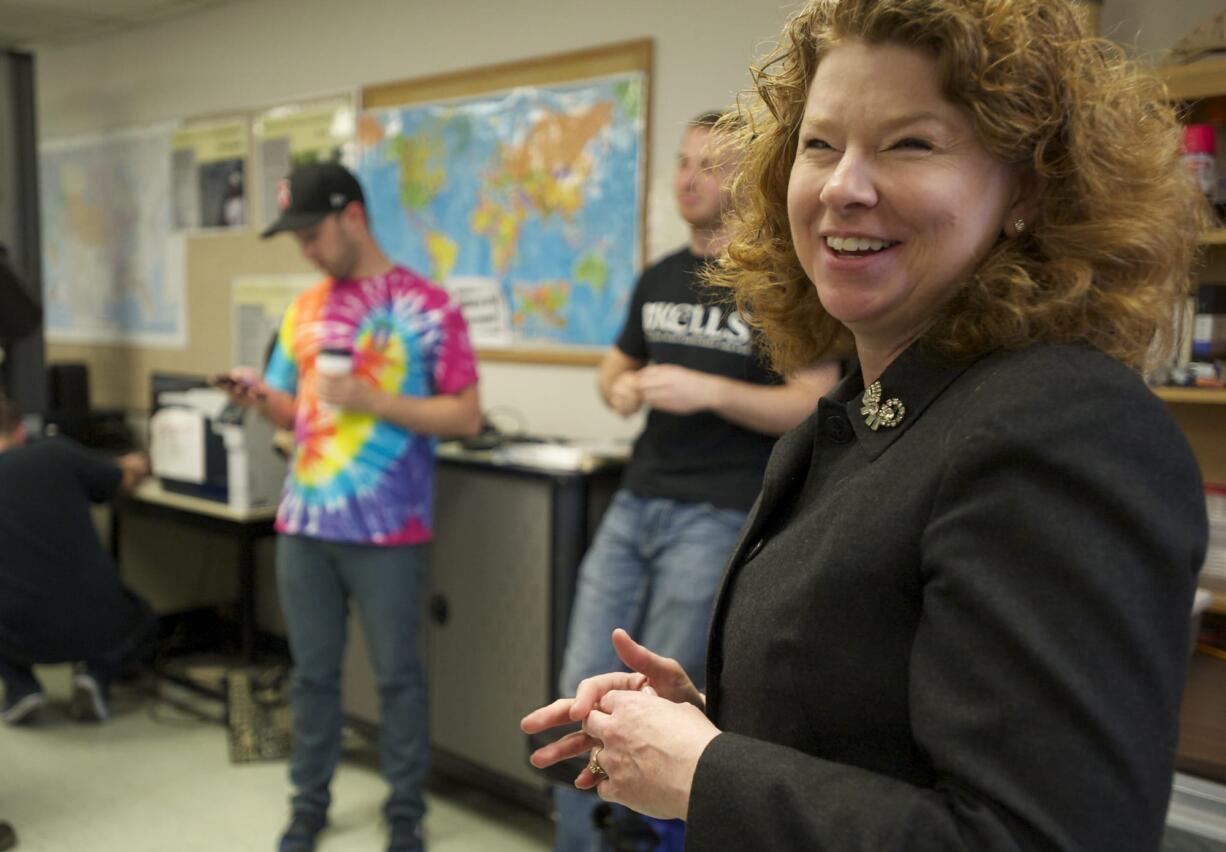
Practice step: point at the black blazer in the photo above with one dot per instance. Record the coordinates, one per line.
(969, 631)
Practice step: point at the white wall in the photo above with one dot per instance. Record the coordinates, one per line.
(262, 52)
(1152, 27)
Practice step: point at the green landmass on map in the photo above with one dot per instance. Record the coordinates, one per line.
(422, 174)
(591, 269)
(629, 95)
(544, 300)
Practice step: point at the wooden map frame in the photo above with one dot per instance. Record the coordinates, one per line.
(601, 61)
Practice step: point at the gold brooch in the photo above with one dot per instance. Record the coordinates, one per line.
(877, 413)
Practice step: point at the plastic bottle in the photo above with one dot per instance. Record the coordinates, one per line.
(1213, 111)
(1209, 327)
(1198, 149)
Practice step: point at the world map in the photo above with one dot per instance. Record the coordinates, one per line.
(525, 203)
(112, 270)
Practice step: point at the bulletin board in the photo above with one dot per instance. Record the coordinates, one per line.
(209, 174)
(521, 188)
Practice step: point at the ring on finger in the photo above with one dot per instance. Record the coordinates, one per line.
(593, 764)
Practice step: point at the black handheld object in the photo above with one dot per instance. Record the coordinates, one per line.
(231, 385)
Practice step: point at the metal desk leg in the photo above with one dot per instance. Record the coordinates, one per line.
(246, 594)
(113, 544)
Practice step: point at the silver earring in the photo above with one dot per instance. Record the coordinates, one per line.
(1019, 225)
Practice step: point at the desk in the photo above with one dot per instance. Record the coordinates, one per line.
(1202, 719)
(245, 527)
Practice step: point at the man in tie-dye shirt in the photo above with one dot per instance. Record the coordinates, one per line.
(357, 504)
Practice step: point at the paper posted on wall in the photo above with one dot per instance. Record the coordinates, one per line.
(259, 303)
(485, 309)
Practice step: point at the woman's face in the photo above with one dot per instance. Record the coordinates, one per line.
(892, 199)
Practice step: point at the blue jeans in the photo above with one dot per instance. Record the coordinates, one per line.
(316, 581)
(139, 646)
(653, 568)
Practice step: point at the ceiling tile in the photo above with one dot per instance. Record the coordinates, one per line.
(28, 23)
(164, 10)
(23, 24)
(93, 8)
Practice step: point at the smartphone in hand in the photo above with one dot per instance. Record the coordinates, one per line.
(240, 389)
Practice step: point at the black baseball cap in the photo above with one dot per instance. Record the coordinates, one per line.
(312, 192)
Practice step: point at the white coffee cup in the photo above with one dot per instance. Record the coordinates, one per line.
(333, 362)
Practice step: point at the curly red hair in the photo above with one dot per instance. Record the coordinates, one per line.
(1109, 256)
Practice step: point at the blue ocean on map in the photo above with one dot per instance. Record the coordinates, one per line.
(538, 190)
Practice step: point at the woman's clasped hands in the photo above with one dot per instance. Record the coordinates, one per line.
(646, 727)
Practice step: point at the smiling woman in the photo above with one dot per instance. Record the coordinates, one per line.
(893, 201)
(957, 616)
(1108, 245)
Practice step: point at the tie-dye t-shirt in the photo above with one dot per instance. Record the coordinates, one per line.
(354, 478)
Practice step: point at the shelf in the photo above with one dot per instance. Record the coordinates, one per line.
(1198, 396)
(1205, 78)
(1216, 237)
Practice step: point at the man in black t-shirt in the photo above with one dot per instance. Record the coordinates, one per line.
(60, 595)
(715, 411)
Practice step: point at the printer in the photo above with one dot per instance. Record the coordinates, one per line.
(202, 445)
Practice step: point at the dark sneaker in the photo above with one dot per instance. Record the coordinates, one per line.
(20, 710)
(405, 837)
(89, 699)
(301, 833)
(8, 837)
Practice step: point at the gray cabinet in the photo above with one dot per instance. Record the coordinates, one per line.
(508, 541)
